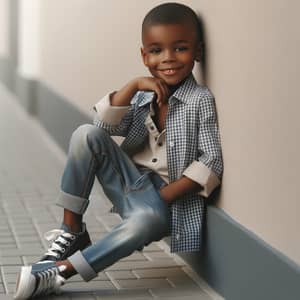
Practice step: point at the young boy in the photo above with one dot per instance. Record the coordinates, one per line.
(157, 179)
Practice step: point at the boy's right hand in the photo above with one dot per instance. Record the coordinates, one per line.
(156, 85)
(124, 95)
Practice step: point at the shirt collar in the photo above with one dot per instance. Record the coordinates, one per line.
(183, 93)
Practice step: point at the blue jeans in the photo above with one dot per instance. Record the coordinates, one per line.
(134, 193)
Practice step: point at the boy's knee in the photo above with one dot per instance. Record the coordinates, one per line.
(83, 131)
(80, 133)
(87, 133)
(149, 226)
(79, 140)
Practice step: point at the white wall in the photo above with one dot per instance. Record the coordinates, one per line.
(4, 47)
(29, 38)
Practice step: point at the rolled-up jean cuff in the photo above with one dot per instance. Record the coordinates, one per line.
(73, 203)
(83, 268)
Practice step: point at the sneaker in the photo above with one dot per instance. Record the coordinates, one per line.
(39, 279)
(65, 242)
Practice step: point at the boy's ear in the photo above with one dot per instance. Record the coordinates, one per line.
(199, 52)
(144, 56)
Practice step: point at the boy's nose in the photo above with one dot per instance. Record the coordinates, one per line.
(168, 55)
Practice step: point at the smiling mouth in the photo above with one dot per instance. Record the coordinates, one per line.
(170, 71)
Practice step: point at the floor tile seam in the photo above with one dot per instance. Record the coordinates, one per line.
(3, 280)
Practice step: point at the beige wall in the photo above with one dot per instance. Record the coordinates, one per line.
(29, 38)
(4, 28)
(90, 47)
(253, 70)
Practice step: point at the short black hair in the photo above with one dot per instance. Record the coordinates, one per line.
(172, 13)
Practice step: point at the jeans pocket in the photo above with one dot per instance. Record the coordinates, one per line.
(141, 183)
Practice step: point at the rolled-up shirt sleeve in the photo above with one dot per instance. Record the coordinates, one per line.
(200, 173)
(110, 114)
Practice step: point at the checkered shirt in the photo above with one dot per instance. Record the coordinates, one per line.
(191, 134)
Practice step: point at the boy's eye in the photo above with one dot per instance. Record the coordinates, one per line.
(155, 50)
(180, 49)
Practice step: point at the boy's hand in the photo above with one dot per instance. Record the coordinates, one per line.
(178, 188)
(124, 95)
(156, 85)
(165, 195)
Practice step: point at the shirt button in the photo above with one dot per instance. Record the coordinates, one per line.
(160, 144)
(154, 160)
(171, 144)
(177, 236)
(152, 127)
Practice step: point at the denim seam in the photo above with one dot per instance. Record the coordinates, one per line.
(95, 154)
(88, 178)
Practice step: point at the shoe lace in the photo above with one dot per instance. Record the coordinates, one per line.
(49, 281)
(58, 237)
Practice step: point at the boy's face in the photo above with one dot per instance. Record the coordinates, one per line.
(170, 50)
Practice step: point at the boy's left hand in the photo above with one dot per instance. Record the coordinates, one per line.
(178, 188)
(165, 194)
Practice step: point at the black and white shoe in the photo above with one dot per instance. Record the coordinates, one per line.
(40, 279)
(65, 243)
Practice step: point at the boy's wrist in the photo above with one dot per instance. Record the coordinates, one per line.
(125, 94)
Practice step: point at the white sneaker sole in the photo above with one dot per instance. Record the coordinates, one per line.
(25, 284)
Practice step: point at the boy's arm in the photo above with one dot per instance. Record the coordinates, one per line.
(114, 113)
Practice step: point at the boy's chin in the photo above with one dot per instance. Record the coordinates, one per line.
(172, 83)
(175, 83)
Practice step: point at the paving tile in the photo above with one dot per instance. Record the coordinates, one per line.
(31, 259)
(57, 297)
(10, 269)
(143, 283)
(136, 256)
(28, 238)
(138, 294)
(129, 265)
(4, 297)
(90, 286)
(152, 247)
(8, 246)
(4, 228)
(182, 280)
(28, 226)
(21, 251)
(193, 297)
(101, 277)
(158, 272)
(10, 287)
(11, 278)
(121, 275)
(6, 240)
(156, 255)
(11, 260)
(81, 296)
(180, 292)
(30, 244)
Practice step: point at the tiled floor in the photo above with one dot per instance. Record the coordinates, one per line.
(31, 165)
